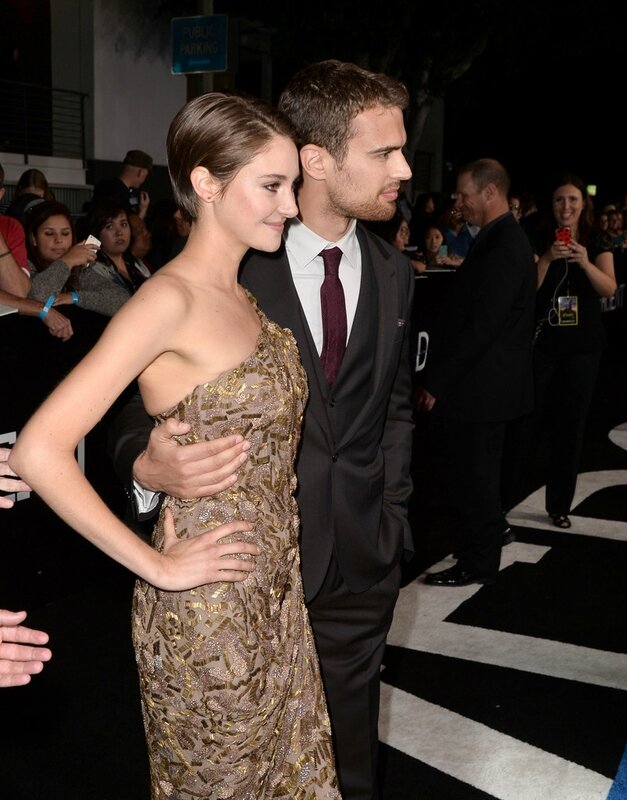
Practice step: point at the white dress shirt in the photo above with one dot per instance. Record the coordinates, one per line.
(303, 250)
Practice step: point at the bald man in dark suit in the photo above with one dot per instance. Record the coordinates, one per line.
(479, 370)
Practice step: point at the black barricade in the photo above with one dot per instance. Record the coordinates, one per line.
(429, 297)
(33, 363)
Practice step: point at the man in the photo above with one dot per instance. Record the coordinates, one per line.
(479, 370)
(354, 461)
(136, 167)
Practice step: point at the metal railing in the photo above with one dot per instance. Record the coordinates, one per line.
(41, 120)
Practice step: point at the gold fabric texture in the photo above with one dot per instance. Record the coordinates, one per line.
(232, 698)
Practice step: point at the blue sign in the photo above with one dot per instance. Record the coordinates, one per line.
(199, 44)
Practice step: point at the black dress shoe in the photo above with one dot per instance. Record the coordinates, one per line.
(508, 537)
(456, 576)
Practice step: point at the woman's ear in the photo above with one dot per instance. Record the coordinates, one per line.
(204, 184)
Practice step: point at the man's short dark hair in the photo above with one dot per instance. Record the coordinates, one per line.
(137, 158)
(323, 99)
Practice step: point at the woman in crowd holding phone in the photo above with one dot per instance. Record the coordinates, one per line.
(575, 269)
(61, 270)
(396, 231)
(435, 251)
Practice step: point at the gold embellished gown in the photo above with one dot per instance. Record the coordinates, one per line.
(232, 698)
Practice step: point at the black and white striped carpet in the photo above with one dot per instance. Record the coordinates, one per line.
(518, 691)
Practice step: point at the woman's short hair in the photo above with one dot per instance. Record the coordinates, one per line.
(221, 132)
(103, 212)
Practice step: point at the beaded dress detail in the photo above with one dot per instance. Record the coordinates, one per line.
(232, 697)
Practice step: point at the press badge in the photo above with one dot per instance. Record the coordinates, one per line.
(567, 310)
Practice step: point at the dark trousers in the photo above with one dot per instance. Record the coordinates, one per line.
(517, 472)
(564, 386)
(468, 456)
(350, 632)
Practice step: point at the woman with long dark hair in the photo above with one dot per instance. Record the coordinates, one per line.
(575, 269)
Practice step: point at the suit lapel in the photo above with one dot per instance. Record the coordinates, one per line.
(387, 294)
(384, 283)
(269, 278)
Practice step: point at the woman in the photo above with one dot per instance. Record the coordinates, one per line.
(396, 231)
(426, 211)
(575, 268)
(109, 222)
(232, 697)
(435, 253)
(61, 269)
(32, 188)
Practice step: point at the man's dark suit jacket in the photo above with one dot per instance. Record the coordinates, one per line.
(353, 476)
(480, 352)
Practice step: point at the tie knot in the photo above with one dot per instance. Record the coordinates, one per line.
(331, 257)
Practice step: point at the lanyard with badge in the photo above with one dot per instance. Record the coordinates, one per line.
(565, 306)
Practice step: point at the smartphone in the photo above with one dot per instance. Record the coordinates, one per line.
(563, 235)
(443, 251)
(91, 241)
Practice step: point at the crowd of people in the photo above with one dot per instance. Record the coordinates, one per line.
(269, 306)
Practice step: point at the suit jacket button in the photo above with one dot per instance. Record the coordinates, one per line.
(334, 457)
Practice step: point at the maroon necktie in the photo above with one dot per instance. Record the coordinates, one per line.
(333, 315)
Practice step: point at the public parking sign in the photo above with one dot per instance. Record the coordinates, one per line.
(199, 44)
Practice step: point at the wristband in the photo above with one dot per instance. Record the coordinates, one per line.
(74, 296)
(47, 307)
(6, 253)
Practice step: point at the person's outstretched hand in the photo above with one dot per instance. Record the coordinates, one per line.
(21, 651)
(9, 482)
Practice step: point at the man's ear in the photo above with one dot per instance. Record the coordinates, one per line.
(313, 161)
(203, 183)
(2, 191)
(490, 191)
